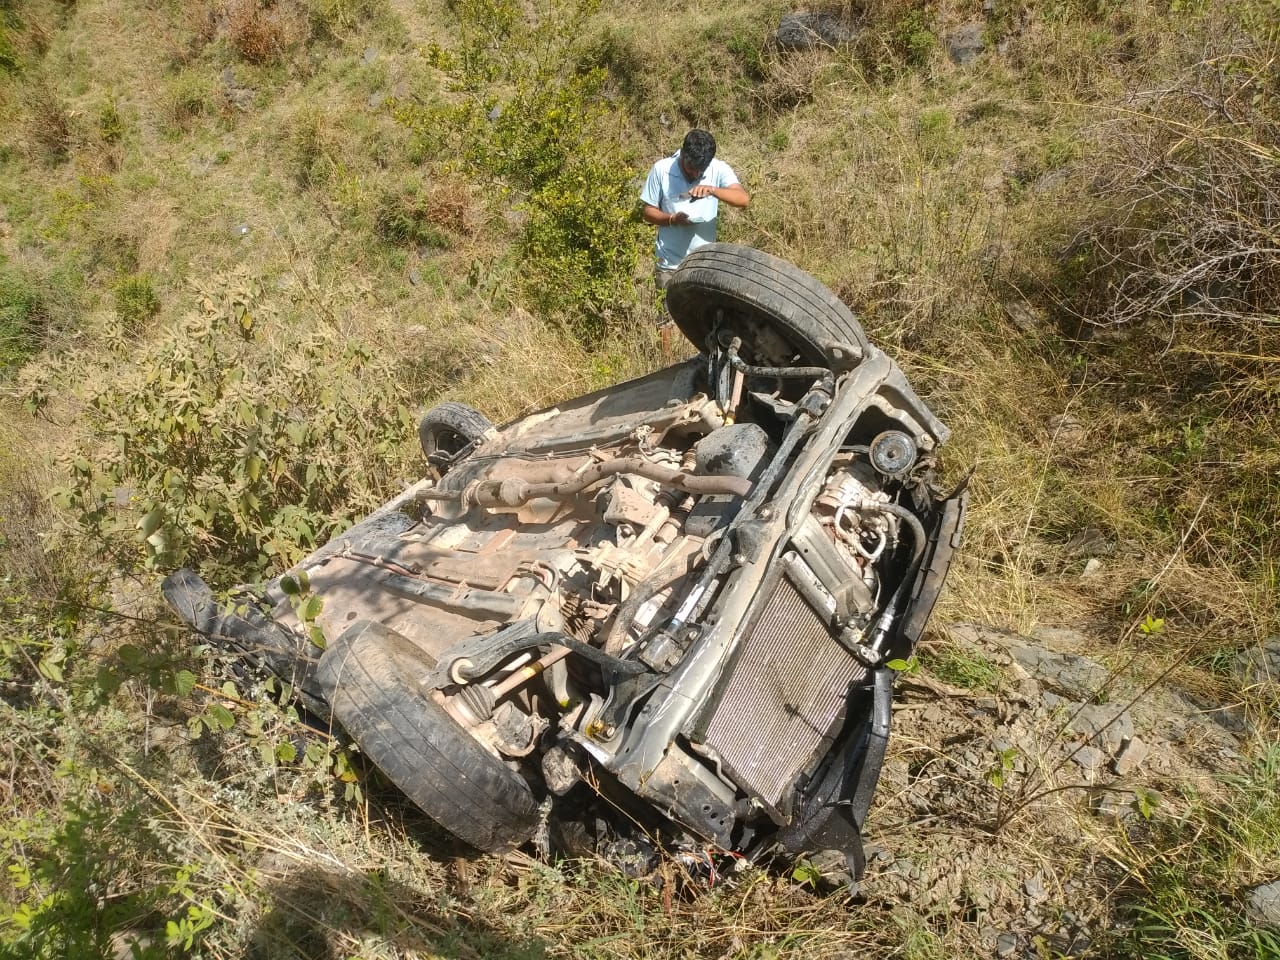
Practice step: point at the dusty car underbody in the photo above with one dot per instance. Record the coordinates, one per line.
(654, 617)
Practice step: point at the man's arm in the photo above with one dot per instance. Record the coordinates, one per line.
(660, 218)
(734, 195)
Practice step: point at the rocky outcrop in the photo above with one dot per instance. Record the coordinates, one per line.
(986, 789)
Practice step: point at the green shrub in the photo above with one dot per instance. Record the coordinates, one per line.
(213, 448)
(135, 300)
(49, 122)
(334, 17)
(532, 119)
(406, 216)
(913, 38)
(110, 123)
(23, 316)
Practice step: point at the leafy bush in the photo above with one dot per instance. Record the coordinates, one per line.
(333, 17)
(110, 122)
(23, 315)
(135, 299)
(216, 449)
(409, 217)
(49, 122)
(260, 32)
(530, 118)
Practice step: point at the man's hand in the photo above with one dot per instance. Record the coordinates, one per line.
(678, 219)
(702, 190)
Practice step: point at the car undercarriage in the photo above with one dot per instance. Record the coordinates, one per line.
(657, 617)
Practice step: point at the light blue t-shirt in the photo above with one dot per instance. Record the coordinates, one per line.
(667, 188)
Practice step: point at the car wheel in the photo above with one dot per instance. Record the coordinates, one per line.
(448, 428)
(369, 676)
(781, 314)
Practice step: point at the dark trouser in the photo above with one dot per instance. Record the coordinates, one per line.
(662, 276)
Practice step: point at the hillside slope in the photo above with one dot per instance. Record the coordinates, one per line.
(243, 243)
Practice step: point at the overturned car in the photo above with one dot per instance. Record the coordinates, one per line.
(654, 617)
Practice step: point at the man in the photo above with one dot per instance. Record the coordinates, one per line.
(682, 199)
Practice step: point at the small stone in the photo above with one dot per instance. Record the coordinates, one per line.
(1092, 567)
(1107, 725)
(415, 277)
(932, 714)
(966, 44)
(1006, 944)
(1033, 887)
(1024, 316)
(1261, 664)
(806, 31)
(370, 55)
(1263, 904)
(241, 230)
(1132, 752)
(1115, 805)
(1089, 759)
(1090, 541)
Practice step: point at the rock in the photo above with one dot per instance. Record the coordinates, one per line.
(1050, 181)
(1067, 429)
(1263, 904)
(1090, 542)
(1090, 759)
(1261, 664)
(1006, 944)
(1116, 805)
(805, 30)
(1107, 725)
(1069, 673)
(370, 54)
(1034, 889)
(1132, 752)
(1092, 567)
(1024, 316)
(965, 44)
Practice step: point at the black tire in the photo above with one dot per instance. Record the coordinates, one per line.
(781, 314)
(449, 428)
(369, 676)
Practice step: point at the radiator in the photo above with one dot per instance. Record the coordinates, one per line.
(776, 706)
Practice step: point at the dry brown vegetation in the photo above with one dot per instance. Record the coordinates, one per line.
(1070, 244)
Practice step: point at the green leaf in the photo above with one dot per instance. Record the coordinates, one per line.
(221, 717)
(315, 755)
(108, 680)
(184, 681)
(310, 608)
(150, 523)
(230, 690)
(50, 668)
(286, 752)
(289, 586)
(806, 874)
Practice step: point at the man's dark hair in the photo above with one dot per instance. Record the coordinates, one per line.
(698, 149)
